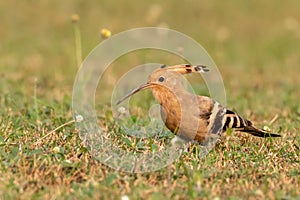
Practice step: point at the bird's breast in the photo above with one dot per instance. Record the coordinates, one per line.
(181, 113)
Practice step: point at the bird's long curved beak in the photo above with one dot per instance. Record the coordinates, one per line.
(144, 86)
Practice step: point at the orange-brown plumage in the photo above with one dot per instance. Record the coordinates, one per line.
(190, 116)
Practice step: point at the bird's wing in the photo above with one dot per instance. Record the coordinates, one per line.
(210, 116)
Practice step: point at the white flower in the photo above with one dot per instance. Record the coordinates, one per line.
(124, 197)
(121, 110)
(56, 149)
(78, 118)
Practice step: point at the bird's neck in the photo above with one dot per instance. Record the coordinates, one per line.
(166, 96)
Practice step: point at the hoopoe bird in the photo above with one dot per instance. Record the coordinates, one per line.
(190, 116)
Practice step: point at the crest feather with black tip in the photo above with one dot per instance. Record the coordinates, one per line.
(186, 68)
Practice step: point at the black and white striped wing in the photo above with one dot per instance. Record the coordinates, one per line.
(233, 120)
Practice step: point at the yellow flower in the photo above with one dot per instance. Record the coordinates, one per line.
(75, 18)
(105, 33)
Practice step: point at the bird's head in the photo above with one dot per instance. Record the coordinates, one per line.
(167, 77)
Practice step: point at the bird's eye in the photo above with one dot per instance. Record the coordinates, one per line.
(161, 79)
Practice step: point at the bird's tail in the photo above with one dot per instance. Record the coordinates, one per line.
(233, 120)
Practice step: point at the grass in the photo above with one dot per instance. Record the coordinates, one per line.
(257, 51)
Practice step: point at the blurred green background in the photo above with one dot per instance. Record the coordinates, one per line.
(37, 38)
(258, 41)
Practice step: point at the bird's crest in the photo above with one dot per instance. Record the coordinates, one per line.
(185, 68)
